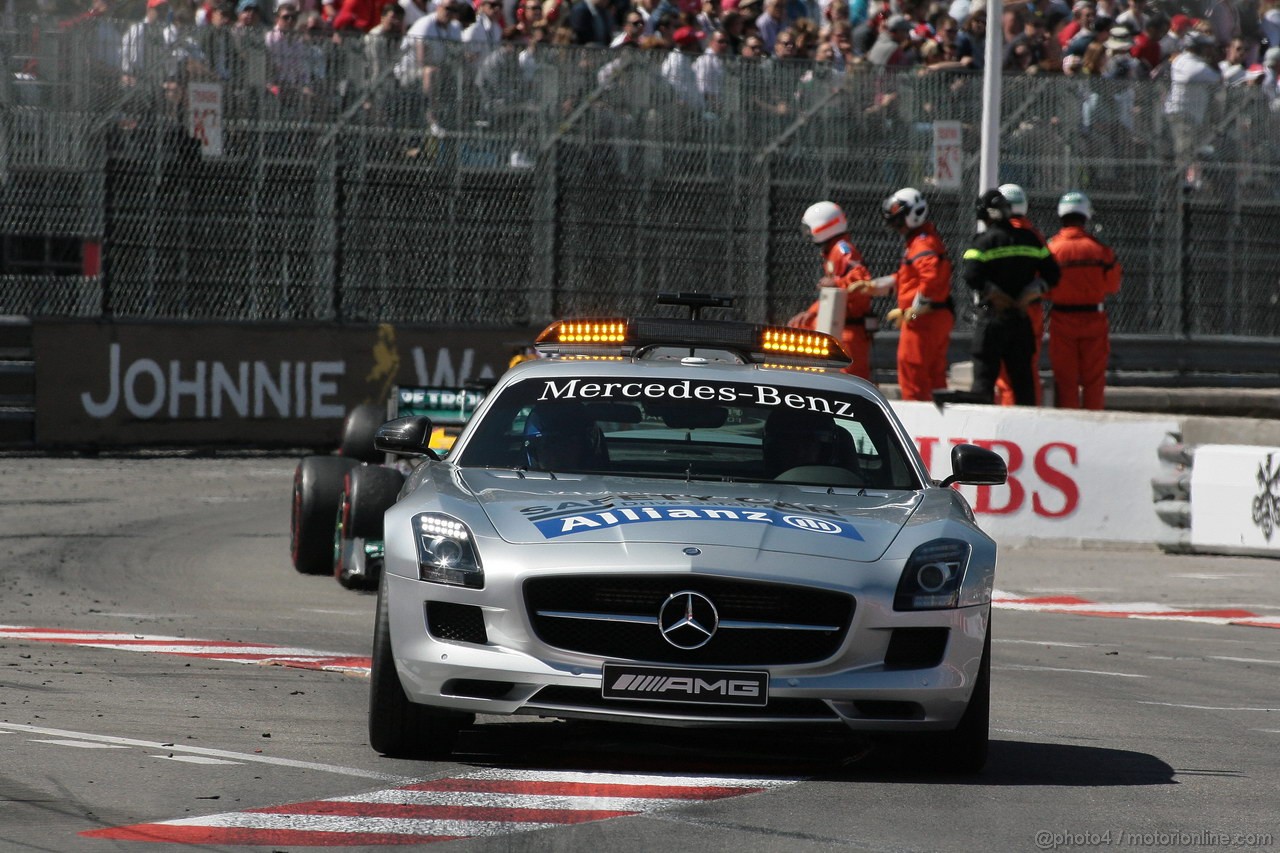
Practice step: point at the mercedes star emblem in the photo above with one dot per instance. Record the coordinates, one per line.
(688, 620)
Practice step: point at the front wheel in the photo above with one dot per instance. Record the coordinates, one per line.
(358, 430)
(397, 727)
(317, 490)
(964, 750)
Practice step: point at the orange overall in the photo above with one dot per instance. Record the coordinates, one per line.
(1079, 334)
(925, 274)
(842, 266)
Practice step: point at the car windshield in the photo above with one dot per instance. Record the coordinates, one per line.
(695, 430)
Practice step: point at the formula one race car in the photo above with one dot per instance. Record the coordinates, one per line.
(684, 523)
(338, 501)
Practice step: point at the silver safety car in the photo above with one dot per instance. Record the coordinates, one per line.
(686, 523)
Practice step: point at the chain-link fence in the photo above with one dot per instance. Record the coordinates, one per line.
(431, 183)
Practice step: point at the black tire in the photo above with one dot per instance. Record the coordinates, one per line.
(964, 750)
(358, 430)
(370, 492)
(317, 490)
(397, 727)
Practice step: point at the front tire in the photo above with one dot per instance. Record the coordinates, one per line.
(964, 750)
(317, 490)
(399, 728)
(368, 491)
(358, 430)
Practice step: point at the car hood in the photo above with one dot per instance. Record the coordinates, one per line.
(529, 508)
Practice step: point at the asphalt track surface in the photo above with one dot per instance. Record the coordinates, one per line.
(167, 675)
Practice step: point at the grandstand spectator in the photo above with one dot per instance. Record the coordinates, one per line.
(290, 62)
(752, 48)
(1032, 50)
(1269, 23)
(1097, 34)
(319, 34)
(893, 47)
(592, 22)
(734, 25)
(1082, 15)
(971, 41)
(631, 32)
(946, 31)
(663, 29)
(144, 49)
(1147, 45)
(708, 19)
(383, 51)
(1223, 18)
(1193, 81)
(1232, 65)
(772, 21)
(835, 12)
(187, 60)
(427, 43)
(415, 9)
(1013, 21)
(841, 38)
(784, 47)
(806, 36)
(216, 40)
(484, 35)
(357, 16)
(709, 70)
(1271, 77)
(677, 69)
(645, 8)
(1134, 18)
(1179, 26)
(428, 39)
(528, 15)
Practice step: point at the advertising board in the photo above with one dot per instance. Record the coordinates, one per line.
(125, 384)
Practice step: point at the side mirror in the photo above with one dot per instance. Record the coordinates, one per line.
(976, 466)
(409, 436)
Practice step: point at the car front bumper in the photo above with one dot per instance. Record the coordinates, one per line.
(499, 666)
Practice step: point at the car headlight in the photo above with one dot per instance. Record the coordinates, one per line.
(446, 551)
(932, 576)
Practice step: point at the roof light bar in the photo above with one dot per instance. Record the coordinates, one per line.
(796, 342)
(752, 342)
(588, 332)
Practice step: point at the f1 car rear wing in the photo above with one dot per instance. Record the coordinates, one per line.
(445, 406)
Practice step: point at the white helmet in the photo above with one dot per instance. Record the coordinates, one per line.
(824, 220)
(1017, 198)
(907, 207)
(1075, 202)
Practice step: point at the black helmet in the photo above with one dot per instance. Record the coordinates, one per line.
(993, 207)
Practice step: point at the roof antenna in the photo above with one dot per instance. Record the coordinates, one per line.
(695, 301)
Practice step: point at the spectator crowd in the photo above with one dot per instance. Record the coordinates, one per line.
(290, 51)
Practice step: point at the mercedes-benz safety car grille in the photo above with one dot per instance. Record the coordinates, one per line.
(456, 623)
(589, 699)
(618, 618)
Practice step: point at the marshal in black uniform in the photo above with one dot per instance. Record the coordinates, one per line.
(1002, 269)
